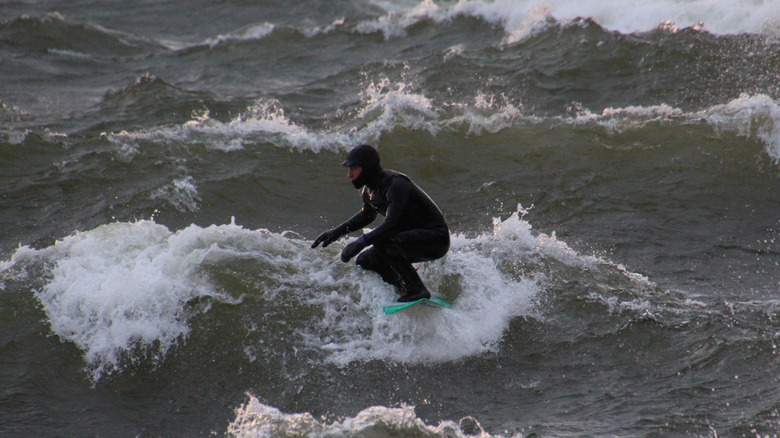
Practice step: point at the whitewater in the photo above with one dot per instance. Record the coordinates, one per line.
(609, 171)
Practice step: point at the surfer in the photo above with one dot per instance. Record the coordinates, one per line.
(414, 229)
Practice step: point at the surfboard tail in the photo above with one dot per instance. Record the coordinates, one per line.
(433, 301)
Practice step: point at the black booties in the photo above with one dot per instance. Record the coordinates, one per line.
(395, 271)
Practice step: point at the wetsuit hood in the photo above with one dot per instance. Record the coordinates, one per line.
(367, 158)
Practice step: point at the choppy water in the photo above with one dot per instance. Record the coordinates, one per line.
(610, 171)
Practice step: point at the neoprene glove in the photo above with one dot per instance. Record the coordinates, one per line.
(326, 238)
(353, 248)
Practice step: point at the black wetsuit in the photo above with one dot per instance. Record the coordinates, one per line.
(414, 230)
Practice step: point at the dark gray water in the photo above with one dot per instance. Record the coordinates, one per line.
(611, 183)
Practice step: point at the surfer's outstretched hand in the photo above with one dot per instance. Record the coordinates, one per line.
(325, 238)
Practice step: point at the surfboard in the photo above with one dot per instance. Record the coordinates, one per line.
(433, 301)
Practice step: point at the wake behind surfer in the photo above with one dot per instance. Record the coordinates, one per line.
(414, 229)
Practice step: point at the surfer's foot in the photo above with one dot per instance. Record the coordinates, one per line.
(400, 289)
(414, 296)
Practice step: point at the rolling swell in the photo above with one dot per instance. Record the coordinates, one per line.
(561, 64)
(577, 61)
(188, 287)
(55, 33)
(197, 157)
(146, 99)
(569, 316)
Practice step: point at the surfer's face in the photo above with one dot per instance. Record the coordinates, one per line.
(354, 172)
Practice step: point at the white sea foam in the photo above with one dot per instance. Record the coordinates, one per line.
(247, 33)
(522, 18)
(389, 105)
(399, 17)
(756, 117)
(257, 31)
(488, 114)
(255, 419)
(123, 287)
(14, 137)
(421, 335)
(263, 118)
(182, 193)
(491, 294)
(386, 106)
(750, 117)
(632, 117)
(120, 292)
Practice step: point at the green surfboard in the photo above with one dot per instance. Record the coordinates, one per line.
(433, 301)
